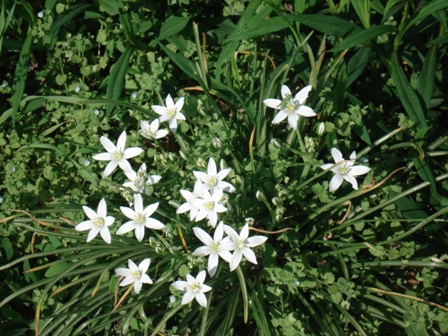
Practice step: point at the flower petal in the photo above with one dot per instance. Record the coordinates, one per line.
(180, 285)
(236, 259)
(337, 155)
(188, 297)
(250, 255)
(335, 182)
(102, 208)
(128, 212)
(359, 170)
(126, 227)
(107, 144)
(306, 111)
(280, 117)
(201, 299)
(90, 213)
(285, 91)
(144, 265)
(273, 103)
(212, 265)
(203, 236)
(103, 157)
(132, 152)
(302, 95)
(105, 234)
(293, 120)
(83, 226)
(109, 169)
(351, 179)
(154, 224)
(211, 167)
(256, 240)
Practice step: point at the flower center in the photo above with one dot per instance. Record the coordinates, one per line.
(98, 222)
(241, 244)
(138, 183)
(292, 106)
(140, 218)
(212, 180)
(171, 112)
(344, 169)
(137, 274)
(196, 288)
(214, 248)
(117, 155)
(209, 205)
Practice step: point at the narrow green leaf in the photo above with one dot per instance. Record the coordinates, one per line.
(57, 269)
(360, 38)
(430, 8)
(43, 146)
(406, 93)
(357, 64)
(116, 78)
(5, 21)
(425, 84)
(425, 172)
(408, 207)
(183, 63)
(256, 29)
(326, 24)
(20, 75)
(362, 8)
(6, 244)
(172, 26)
(442, 39)
(64, 18)
(244, 293)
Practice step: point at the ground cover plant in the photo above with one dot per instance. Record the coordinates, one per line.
(223, 168)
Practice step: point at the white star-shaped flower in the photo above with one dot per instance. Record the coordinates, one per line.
(344, 170)
(140, 218)
(189, 197)
(193, 289)
(241, 245)
(117, 155)
(290, 107)
(213, 247)
(98, 222)
(170, 112)
(151, 131)
(140, 181)
(214, 180)
(135, 275)
(209, 206)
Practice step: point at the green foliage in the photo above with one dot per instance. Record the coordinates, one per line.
(349, 262)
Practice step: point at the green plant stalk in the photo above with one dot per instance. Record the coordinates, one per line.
(165, 319)
(243, 287)
(203, 329)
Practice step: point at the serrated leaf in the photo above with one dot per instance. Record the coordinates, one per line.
(172, 26)
(362, 37)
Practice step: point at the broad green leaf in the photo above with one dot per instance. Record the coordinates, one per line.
(362, 37)
(326, 24)
(425, 172)
(183, 63)
(172, 26)
(266, 26)
(20, 75)
(116, 78)
(430, 8)
(408, 207)
(64, 18)
(406, 93)
(6, 244)
(111, 7)
(357, 64)
(57, 269)
(362, 8)
(425, 84)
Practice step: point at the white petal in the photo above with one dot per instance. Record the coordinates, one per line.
(138, 204)
(213, 218)
(180, 285)
(180, 116)
(146, 279)
(169, 101)
(173, 125)
(212, 265)
(90, 213)
(161, 110)
(337, 155)
(109, 169)
(359, 170)
(206, 288)
(161, 133)
(132, 266)
(273, 103)
(103, 157)
(102, 208)
(285, 91)
(201, 299)
(244, 232)
(202, 251)
(219, 232)
(123, 272)
(132, 152)
(149, 210)
(203, 236)
(201, 277)
(127, 281)
(231, 233)
(250, 256)
(188, 297)
(144, 265)
(183, 208)
(211, 167)
(92, 233)
(335, 182)
(105, 234)
(126, 227)
(137, 286)
(179, 104)
(226, 255)
(83, 226)
(108, 145)
(280, 117)
(302, 95)
(124, 165)
(306, 111)
(121, 142)
(256, 240)
(154, 224)
(128, 212)
(293, 120)
(327, 166)
(353, 156)
(351, 179)
(109, 220)
(139, 232)
(236, 259)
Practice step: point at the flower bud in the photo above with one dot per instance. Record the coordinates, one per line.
(276, 201)
(217, 143)
(182, 155)
(321, 129)
(249, 221)
(174, 204)
(260, 196)
(278, 218)
(222, 164)
(276, 142)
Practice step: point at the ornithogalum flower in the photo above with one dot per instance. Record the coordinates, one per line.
(140, 218)
(213, 247)
(189, 197)
(140, 181)
(344, 170)
(170, 112)
(241, 245)
(98, 222)
(151, 131)
(117, 155)
(214, 180)
(209, 206)
(290, 107)
(135, 275)
(193, 289)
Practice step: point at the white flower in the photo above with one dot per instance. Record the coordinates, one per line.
(193, 288)
(344, 170)
(151, 131)
(290, 107)
(134, 95)
(189, 197)
(117, 155)
(209, 206)
(140, 181)
(213, 247)
(135, 275)
(40, 15)
(171, 112)
(96, 112)
(140, 218)
(241, 245)
(86, 163)
(98, 222)
(214, 180)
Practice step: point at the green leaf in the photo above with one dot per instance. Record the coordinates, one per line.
(5, 21)
(6, 244)
(20, 75)
(362, 8)
(111, 7)
(172, 26)
(406, 93)
(326, 24)
(425, 172)
(358, 39)
(425, 84)
(357, 64)
(183, 63)
(64, 18)
(116, 78)
(43, 146)
(57, 269)
(430, 8)
(256, 29)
